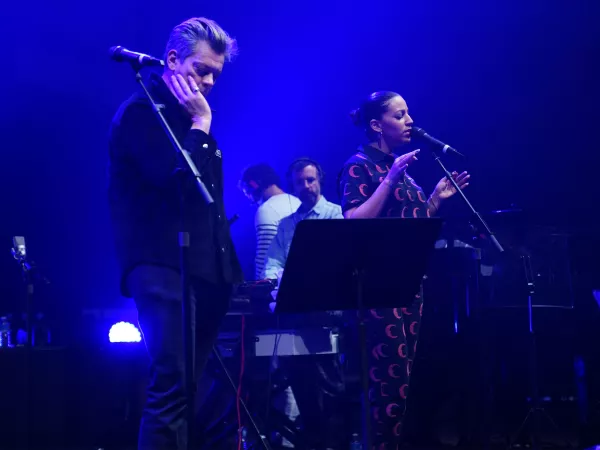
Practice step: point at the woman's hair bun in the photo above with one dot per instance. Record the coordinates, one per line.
(355, 115)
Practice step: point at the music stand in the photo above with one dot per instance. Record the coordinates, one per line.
(355, 265)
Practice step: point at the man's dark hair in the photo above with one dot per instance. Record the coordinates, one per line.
(260, 177)
(299, 164)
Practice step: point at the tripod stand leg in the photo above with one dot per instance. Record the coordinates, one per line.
(261, 436)
(556, 427)
(522, 427)
(535, 415)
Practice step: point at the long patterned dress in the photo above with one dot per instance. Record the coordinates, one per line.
(391, 333)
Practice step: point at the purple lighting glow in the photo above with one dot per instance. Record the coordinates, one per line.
(124, 332)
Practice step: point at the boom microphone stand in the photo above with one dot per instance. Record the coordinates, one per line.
(483, 229)
(31, 277)
(485, 365)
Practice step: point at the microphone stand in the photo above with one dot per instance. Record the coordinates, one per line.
(484, 364)
(31, 276)
(184, 244)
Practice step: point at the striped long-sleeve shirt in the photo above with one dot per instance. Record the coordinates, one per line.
(266, 221)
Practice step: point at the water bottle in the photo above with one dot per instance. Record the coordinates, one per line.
(21, 333)
(244, 438)
(355, 444)
(5, 338)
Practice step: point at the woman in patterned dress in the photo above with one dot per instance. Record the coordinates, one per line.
(374, 183)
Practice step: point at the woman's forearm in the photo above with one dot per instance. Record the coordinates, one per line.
(371, 208)
(433, 205)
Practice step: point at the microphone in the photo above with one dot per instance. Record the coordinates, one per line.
(421, 133)
(121, 54)
(19, 250)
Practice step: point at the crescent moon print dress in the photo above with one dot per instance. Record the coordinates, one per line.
(391, 333)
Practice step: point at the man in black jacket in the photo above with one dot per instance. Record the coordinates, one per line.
(145, 196)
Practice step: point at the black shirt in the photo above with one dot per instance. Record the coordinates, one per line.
(145, 194)
(362, 174)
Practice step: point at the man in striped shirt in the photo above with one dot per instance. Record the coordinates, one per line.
(261, 185)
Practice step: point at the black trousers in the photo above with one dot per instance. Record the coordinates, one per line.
(157, 293)
(318, 386)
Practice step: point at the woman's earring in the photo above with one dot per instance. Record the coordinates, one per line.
(379, 139)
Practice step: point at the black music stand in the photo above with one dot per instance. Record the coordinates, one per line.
(355, 265)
